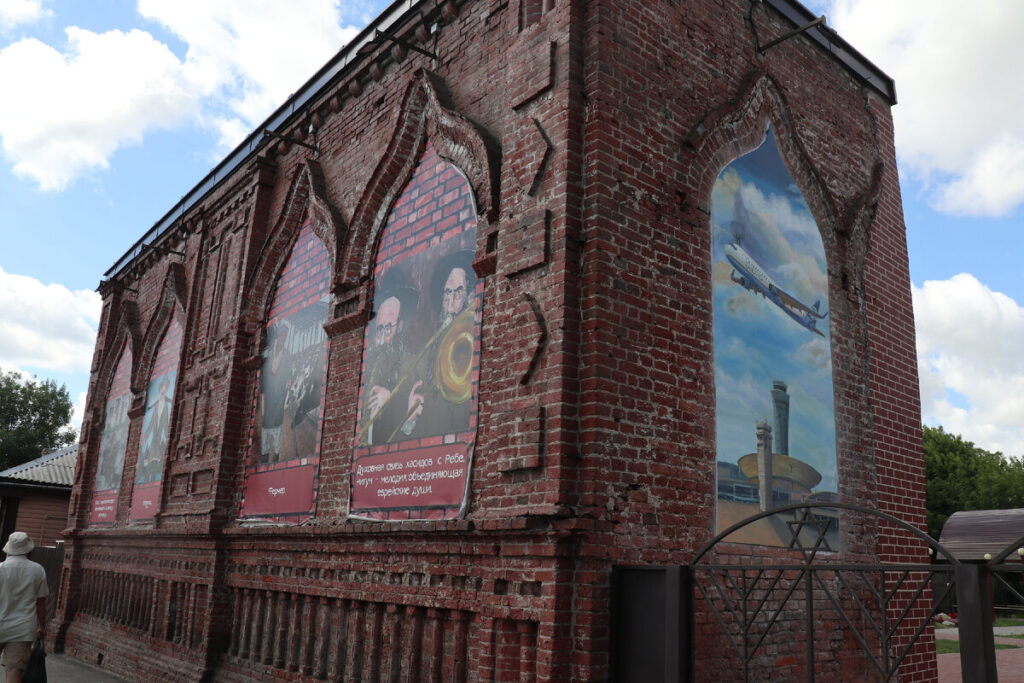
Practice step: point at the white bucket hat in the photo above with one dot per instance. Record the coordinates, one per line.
(19, 544)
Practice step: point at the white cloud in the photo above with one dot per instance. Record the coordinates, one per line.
(816, 353)
(66, 112)
(969, 341)
(19, 12)
(958, 122)
(46, 326)
(993, 185)
(70, 112)
(78, 412)
(252, 54)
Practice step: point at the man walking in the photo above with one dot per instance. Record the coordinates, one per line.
(23, 592)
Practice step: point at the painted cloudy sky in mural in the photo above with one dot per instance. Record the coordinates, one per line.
(756, 205)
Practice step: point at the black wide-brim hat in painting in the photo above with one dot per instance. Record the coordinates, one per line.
(393, 283)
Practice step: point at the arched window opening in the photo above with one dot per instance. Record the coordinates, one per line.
(416, 426)
(775, 408)
(156, 425)
(113, 442)
(281, 474)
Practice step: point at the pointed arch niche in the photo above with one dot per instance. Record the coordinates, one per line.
(417, 409)
(775, 404)
(156, 424)
(283, 459)
(113, 443)
(157, 371)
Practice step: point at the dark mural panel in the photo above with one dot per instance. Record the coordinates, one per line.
(284, 449)
(421, 355)
(110, 463)
(773, 358)
(156, 425)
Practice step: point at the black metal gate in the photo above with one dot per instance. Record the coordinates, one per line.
(802, 612)
(52, 559)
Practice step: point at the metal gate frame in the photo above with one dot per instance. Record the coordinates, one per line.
(971, 580)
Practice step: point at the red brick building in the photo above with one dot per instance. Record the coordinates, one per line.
(391, 391)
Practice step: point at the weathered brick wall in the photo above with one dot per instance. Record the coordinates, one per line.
(674, 92)
(591, 134)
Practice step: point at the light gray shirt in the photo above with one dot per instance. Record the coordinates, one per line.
(22, 582)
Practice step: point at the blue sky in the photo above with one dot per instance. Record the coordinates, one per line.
(113, 109)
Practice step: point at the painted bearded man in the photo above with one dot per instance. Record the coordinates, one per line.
(439, 402)
(386, 362)
(154, 434)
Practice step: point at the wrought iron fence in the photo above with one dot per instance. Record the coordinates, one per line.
(804, 611)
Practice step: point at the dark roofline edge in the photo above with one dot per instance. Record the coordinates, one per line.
(861, 67)
(349, 56)
(23, 485)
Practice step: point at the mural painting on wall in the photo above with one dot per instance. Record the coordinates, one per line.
(416, 423)
(156, 425)
(113, 442)
(284, 446)
(773, 363)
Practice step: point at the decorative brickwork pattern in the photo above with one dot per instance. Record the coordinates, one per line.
(324, 638)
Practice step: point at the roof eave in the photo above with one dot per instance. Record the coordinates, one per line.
(859, 65)
(342, 64)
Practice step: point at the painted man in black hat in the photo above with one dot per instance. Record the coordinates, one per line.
(386, 363)
(435, 406)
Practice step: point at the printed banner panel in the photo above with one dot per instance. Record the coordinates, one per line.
(288, 408)
(416, 426)
(266, 491)
(156, 425)
(776, 436)
(113, 442)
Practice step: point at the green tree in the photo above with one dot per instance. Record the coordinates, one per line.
(961, 476)
(35, 418)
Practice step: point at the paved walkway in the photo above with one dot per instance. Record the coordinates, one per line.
(64, 668)
(1010, 663)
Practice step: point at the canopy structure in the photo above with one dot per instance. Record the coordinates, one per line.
(970, 535)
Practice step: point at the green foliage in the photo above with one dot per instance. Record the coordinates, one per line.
(961, 476)
(34, 418)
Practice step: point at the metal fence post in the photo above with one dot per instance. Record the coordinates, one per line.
(687, 592)
(652, 624)
(974, 605)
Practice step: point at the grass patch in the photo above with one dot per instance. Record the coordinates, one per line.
(1006, 621)
(948, 647)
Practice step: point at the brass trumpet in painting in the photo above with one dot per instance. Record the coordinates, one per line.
(452, 369)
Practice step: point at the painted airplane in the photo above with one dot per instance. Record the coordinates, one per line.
(747, 273)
